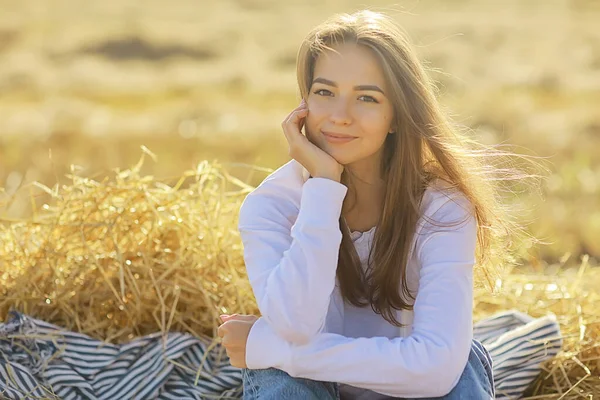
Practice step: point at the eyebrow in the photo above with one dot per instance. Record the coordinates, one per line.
(324, 81)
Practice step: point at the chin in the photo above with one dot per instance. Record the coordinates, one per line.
(341, 158)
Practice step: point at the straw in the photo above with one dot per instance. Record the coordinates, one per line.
(127, 256)
(571, 293)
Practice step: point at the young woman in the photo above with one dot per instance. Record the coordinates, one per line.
(361, 250)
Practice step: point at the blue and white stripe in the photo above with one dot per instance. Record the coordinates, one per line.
(41, 361)
(518, 345)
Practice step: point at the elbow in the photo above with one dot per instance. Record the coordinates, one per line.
(444, 385)
(445, 375)
(437, 373)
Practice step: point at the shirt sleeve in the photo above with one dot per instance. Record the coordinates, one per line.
(292, 269)
(430, 361)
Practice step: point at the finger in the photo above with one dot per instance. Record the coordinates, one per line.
(229, 341)
(303, 106)
(247, 318)
(235, 362)
(230, 344)
(291, 127)
(241, 317)
(222, 330)
(303, 119)
(301, 124)
(296, 116)
(231, 359)
(226, 317)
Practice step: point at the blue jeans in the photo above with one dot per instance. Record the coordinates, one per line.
(475, 383)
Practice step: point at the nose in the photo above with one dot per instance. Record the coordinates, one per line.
(340, 112)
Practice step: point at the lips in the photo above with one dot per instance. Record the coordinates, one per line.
(338, 135)
(337, 138)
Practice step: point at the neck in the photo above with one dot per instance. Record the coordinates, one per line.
(365, 176)
(366, 191)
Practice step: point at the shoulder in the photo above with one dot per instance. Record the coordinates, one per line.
(447, 228)
(443, 203)
(279, 193)
(446, 210)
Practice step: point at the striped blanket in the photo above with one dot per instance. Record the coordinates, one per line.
(41, 361)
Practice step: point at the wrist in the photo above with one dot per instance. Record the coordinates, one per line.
(331, 176)
(265, 349)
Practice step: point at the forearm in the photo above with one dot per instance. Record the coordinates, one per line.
(293, 295)
(416, 366)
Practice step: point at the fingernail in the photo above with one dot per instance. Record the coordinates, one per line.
(223, 316)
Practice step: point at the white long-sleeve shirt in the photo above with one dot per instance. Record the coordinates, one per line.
(289, 226)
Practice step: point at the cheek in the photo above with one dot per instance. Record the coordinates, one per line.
(376, 124)
(314, 118)
(309, 124)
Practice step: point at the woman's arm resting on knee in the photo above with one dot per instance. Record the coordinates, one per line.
(428, 363)
(292, 269)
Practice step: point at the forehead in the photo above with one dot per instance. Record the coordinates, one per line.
(351, 64)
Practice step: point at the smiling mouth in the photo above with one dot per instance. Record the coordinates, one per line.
(337, 139)
(337, 136)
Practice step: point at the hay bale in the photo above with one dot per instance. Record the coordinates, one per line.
(129, 256)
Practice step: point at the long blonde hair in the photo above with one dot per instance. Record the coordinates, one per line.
(425, 147)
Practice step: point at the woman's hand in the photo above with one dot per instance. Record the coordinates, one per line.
(316, 161)
(234, 334)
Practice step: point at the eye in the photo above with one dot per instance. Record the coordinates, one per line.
(369, 99)
(322, 92)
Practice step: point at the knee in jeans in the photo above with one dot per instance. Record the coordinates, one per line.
(272, 383)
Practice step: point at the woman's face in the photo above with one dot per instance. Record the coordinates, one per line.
(348, 98)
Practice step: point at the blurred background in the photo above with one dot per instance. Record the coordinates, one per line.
(88, 83)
